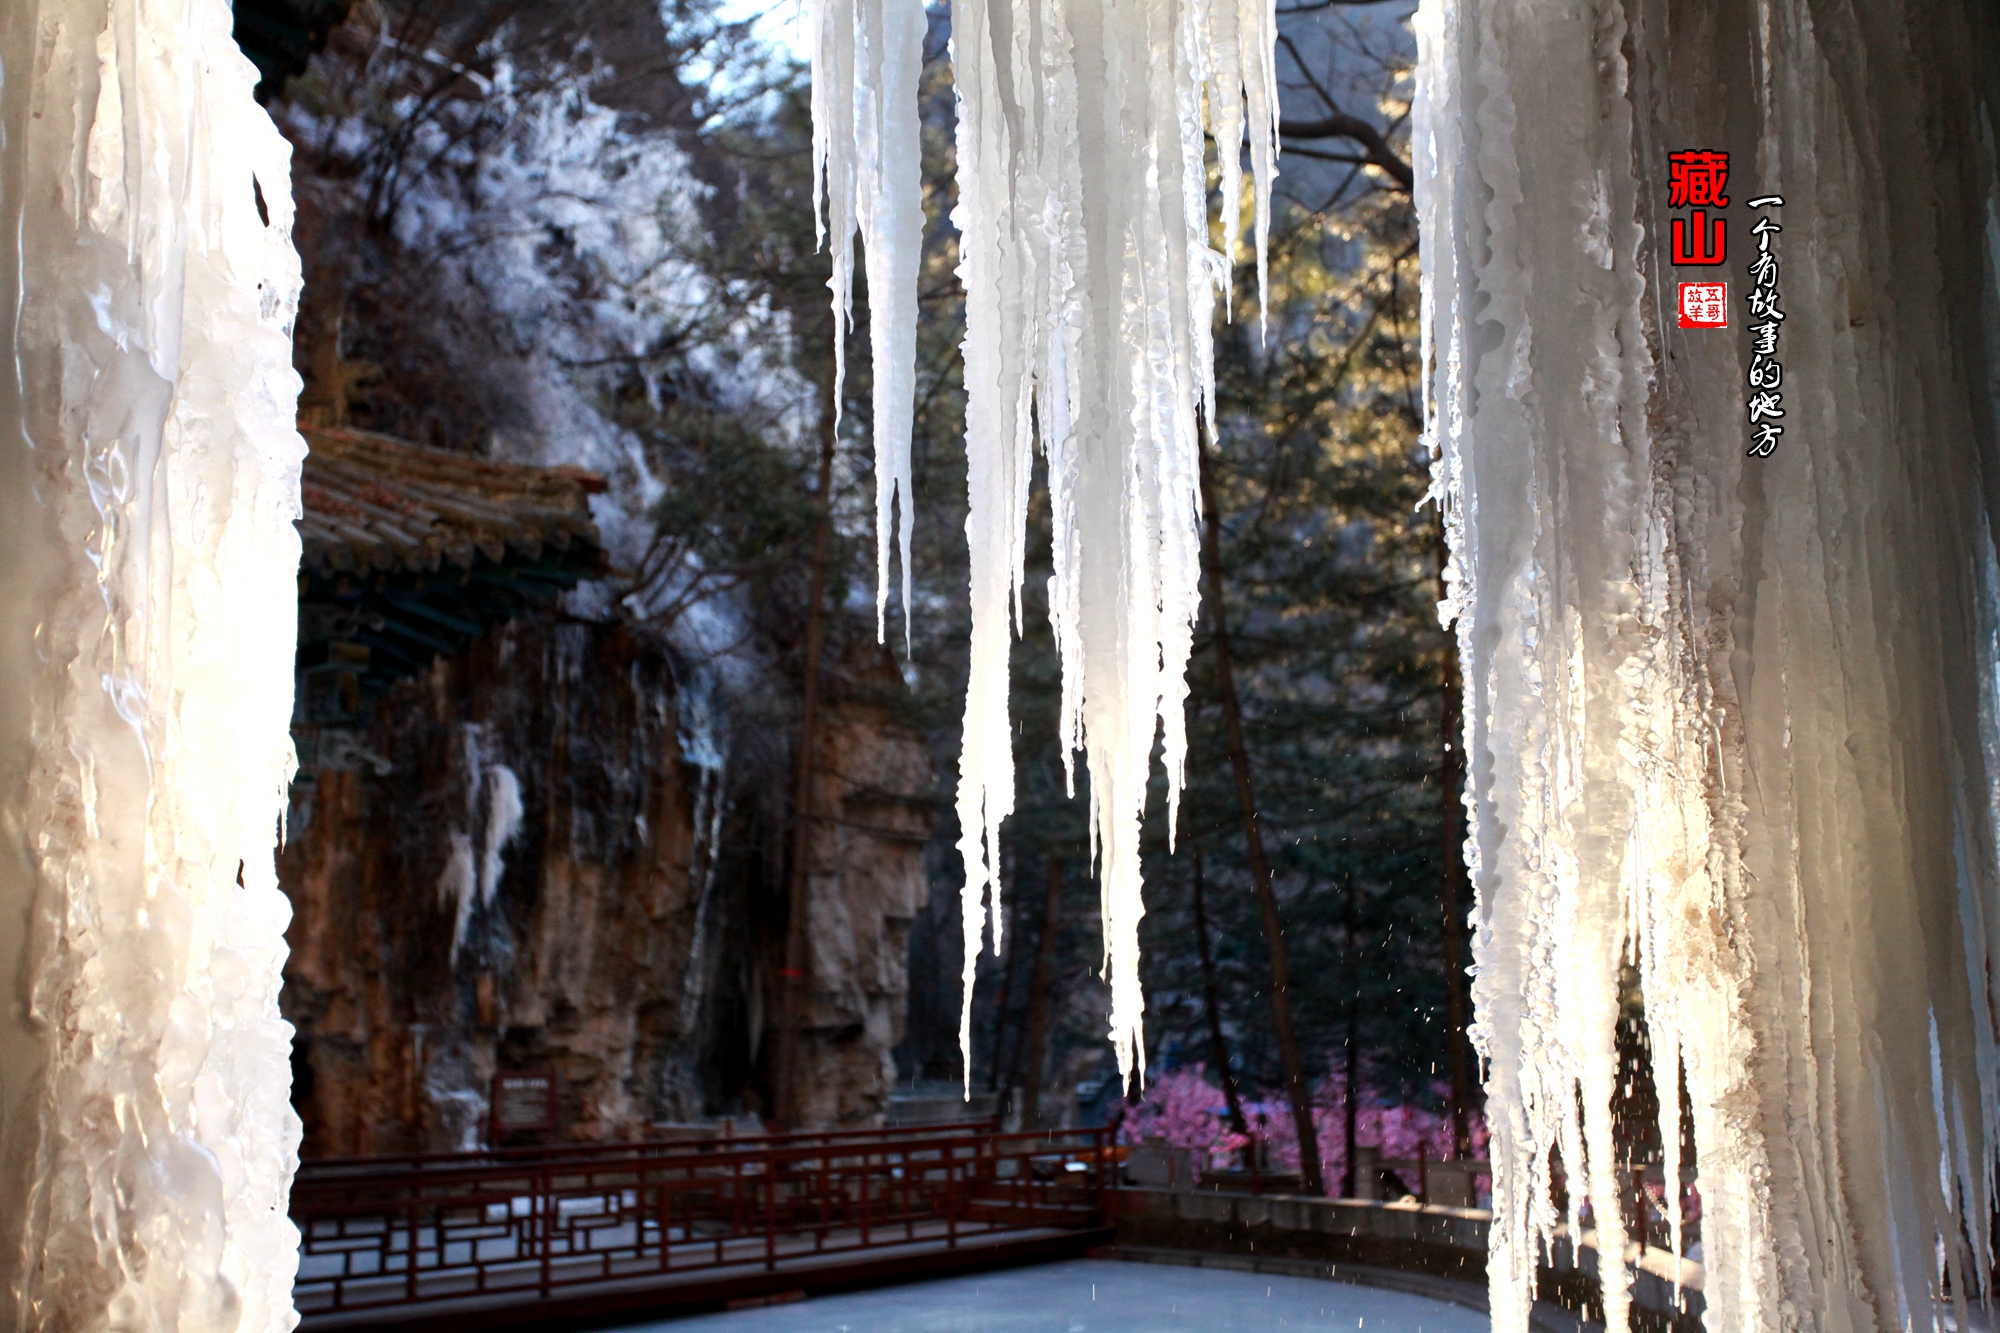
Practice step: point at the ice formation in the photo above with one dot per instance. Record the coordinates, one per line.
(503, 822)
(148, 483)
(1090, 291)
(1738, 717)
(867, 151)
(493, 808)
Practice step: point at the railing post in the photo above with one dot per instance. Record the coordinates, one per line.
(770, 1209)
(912, 1185)
(1100, 1153)
(666, 1199)
(545, 1205)
(823, 1204)
(410, 1257)
(950, 1200)
(1106, 1179)
(735, 1208)
(1031, 1186)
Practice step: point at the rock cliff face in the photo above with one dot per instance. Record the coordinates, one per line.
(872, 816)
(517, 865)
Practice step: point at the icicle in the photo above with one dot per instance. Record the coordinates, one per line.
(149, 481)
(868, 57)
(1734, 715)
(1090, 292)
(997, 442)
(503, 822)
(1090, 288)
(458, 888)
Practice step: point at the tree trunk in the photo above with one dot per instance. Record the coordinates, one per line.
(1218, 1045)
(1260, 869)
(1455, 891)
(1038, 995)
(1351, 1099)
(998, 1073)
(792, 977)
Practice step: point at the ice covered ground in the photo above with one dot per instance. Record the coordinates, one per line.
(1099, 1296)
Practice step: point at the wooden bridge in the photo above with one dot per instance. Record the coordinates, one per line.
(484, 1240)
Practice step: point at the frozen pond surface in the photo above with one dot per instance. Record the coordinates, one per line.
(1100, 1296)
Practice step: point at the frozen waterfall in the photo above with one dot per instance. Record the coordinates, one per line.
(148, 484)
(1738, 716)
(1090, 292)
(1733, 694)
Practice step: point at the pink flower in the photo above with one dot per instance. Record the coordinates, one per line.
(1189, 1112)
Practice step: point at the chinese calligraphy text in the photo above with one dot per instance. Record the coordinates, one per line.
(1765, 405)
(1695, 180)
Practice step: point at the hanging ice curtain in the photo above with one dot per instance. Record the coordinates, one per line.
(1731, 701)
(1090, 286)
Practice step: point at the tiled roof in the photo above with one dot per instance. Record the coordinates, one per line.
(373, 503)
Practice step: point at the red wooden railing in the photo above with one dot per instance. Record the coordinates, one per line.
(420, 1228)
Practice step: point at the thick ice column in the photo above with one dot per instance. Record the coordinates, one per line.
(1089, 293)
(148, 483)
(1736, 715)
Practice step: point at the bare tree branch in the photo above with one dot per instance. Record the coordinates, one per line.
(1337, 124)
(1375, 149)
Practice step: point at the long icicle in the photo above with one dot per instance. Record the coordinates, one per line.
(1091, 287)
(867, 160)
(1090, 290)
(149, 484)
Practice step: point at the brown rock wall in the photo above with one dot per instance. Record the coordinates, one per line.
(501, 871)
(446, 927)
(873, 816)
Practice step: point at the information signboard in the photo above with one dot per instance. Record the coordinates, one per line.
(524, 1106)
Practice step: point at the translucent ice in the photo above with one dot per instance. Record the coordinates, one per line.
(148, 484)
(868, 56)
(1732, 716)
(1090, 287)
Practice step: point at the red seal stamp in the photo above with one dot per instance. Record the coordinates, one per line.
(1704, 305)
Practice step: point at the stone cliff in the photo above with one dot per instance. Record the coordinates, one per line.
(514, 864)
(872, 815)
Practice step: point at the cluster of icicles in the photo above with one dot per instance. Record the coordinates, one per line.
(1737, 721)
(1090, 294)
(149, 481)
(1734, 718)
